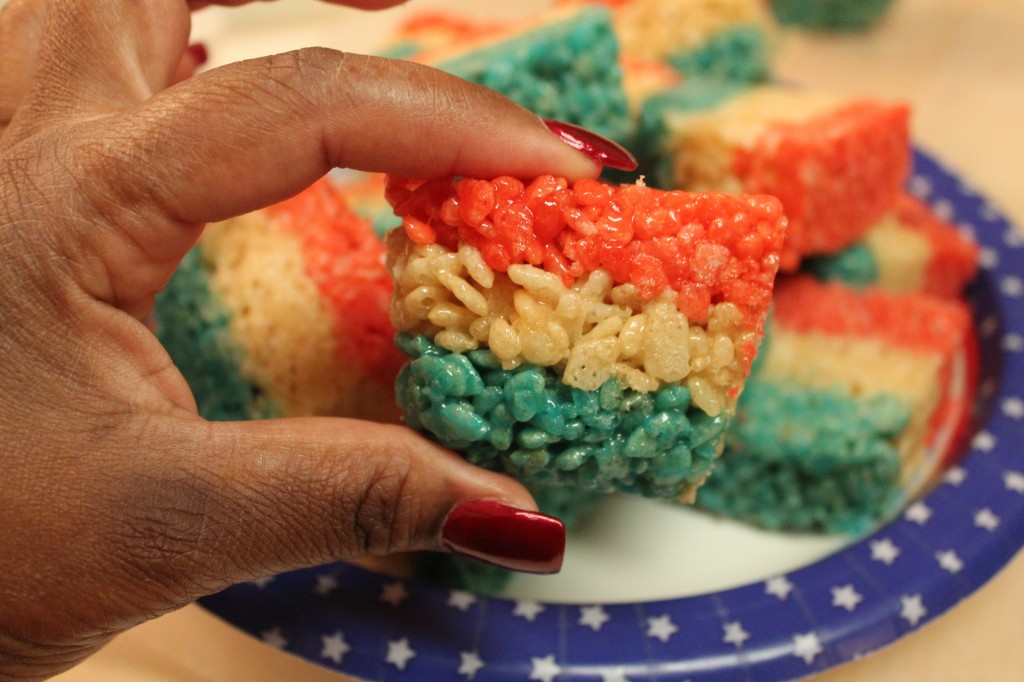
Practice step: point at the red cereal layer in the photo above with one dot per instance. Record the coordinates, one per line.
(836, 174)
(345, 260)
(438, 25)
(954, 259)
(708, 248)
(913, 321)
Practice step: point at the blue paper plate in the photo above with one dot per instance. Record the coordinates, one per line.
(868, 594)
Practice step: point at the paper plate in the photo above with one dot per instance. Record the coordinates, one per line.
(808, 604)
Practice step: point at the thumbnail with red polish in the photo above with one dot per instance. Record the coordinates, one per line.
(590, 144)
(505, 536)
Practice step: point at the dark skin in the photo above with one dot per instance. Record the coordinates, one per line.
(119, 502)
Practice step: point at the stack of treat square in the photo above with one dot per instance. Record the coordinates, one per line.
(596, 337)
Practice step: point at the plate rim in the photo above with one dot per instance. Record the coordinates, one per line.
(868, 611)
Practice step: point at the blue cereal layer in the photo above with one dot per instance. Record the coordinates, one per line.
(192, 324)
(808, 460)
(527, 423)
(566, 70)
(740, 53)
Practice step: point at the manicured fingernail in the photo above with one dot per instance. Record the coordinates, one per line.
(599, 149)
(199, 53)
(505, 536)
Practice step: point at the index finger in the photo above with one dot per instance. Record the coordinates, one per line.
(251, 133)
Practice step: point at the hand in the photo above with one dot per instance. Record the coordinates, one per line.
(120, 503)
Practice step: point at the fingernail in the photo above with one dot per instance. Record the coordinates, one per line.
(599, 149)
(505, 536)
(199, 53)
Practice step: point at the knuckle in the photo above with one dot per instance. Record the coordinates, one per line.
(378, 515)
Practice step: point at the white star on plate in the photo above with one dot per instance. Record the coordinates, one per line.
(261, 583)
(983, 441)
(1013, 238)
(461, 600)
(943, 208)
(528, 609)
(911, 609)
(1013, 408)
(325, 584)
(885, 551)
(986, 518)
(1014, 481)
(988, 258)
(593, 617)
(919, 186)
(806, 646)
(1013, 343)
(949, 561)
(989, 326)
(469, 663)
(918, 512)
(393, 593)
(1012, 286)
(846, 597)
(335, 647)
(661, 627)
(735, 634)
(544, 669)
(399, 653)
(274, 638)
(779, 586)
(955, 475)
(988, 387)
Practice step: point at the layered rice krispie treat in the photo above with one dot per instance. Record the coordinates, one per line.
(837, 164)
(726, 39)
(909, 250)
(283, 312)
(851, 390)
(589, 335)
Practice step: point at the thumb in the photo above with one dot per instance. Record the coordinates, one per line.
(249, 499)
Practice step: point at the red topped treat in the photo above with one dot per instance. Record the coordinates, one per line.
(708, 248)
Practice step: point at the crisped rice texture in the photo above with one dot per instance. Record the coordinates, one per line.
(808, 460)
(565, 68)
(836, 164)
(707, 248)
(193, 324)
(527, 423)
(911, 250)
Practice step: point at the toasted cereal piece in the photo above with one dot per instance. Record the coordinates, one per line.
(561, 65)
(830, 15)
(283, 312)
(838, 165)
(910, 250)
(721, 39)
(849, 411)
(594, 335)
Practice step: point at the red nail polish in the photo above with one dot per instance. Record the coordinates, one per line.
(199, 53)
(505, 536)
(600, 149)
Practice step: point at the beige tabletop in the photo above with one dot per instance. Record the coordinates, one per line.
(959, 63)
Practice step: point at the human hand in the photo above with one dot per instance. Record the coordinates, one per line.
(120, 503)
